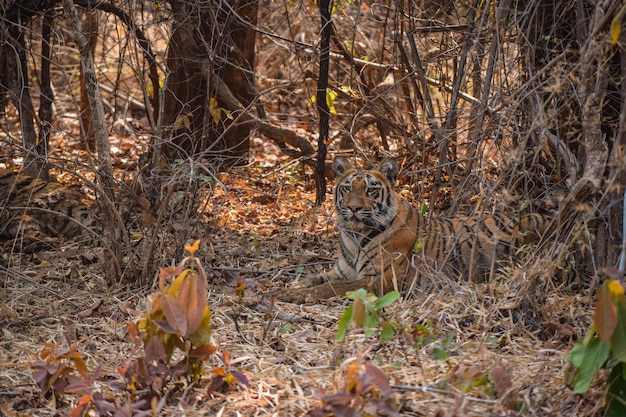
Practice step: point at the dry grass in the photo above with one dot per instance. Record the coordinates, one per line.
(58, 297)
(508, 337)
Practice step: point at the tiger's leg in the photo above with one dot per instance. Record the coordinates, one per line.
(386, 272)
(385, 264)
(318, 279)
(341, 271)
(336, 282)
(379, 274)
(325, 291)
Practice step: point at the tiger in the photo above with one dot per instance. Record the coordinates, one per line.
(35, 214)
(383, 238)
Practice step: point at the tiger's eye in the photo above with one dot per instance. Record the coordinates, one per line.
(372, 191)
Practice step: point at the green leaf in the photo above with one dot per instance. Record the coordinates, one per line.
(286, 328)
(439, 353)
(618, 340)
(419, 245)
(386, 333)
(362, 293)
(576, 356)
(616, 392)
(448, 340)
(596, 354)
(344, 322)
(387, 299)
(369, 324)
(370, 300)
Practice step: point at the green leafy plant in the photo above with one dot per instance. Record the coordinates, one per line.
(422, 335)
(604, 346)
(365, 311)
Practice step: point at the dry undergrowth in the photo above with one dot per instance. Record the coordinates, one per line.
(264, 230)
(506, 351)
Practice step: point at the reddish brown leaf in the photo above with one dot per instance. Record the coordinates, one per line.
(378, 379)
(605, 317)
(174, 314)
(81, 366)
(41, 376)
(147, 219)
(77, 388)
(165, 326)
(219, 371)
(501, 380)
(155, 351)
(155, 306)
(178, 342)
(103, 406)
(192, 300)
(215, 384)
(133, 331)
(338, 399)
(165, 273)
(81, 408)
(203, 352)
(226, 357)
(65, 352)
(241, 378)
(358, 312)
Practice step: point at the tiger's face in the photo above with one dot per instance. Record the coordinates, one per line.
(364, 199)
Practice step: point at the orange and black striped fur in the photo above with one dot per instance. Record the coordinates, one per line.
(383, 238)
(34, 213)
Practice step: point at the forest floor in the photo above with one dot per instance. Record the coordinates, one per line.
(261, 226)
(258, 223)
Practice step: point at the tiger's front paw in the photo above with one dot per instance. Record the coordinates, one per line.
(309, 282)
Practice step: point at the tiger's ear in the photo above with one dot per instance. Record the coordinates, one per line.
(389, 168)
(340, 165)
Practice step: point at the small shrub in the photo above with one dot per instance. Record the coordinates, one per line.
(365, 311)
(365, 392)
(175, 335)
(61, 371)
(604, 346)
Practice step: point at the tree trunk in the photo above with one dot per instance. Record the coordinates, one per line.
(219, 34)
(115, 236)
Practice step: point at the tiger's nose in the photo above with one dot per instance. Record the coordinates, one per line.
(354, 208)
